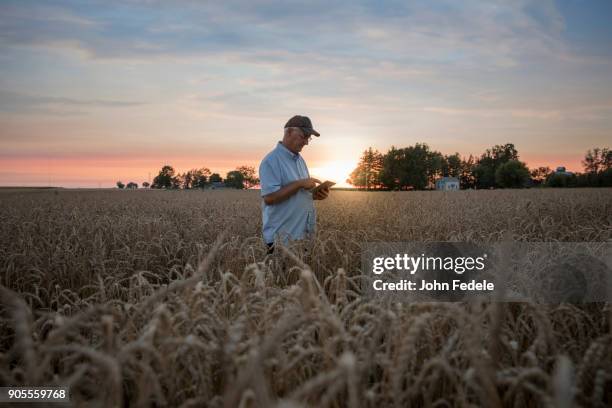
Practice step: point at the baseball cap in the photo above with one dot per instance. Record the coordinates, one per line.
(304, 123)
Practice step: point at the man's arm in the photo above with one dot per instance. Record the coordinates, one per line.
(290, 189)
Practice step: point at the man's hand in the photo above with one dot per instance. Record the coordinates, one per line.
(309, 183)
(321, 194)
(290, 189)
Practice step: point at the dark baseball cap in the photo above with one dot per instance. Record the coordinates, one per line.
(304, 123)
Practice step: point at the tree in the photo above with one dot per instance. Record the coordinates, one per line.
(145, 184)
(165, 178)
(466, 177)
(120, 185)
(582, 180)
(195, 178)
(561, 180)
(485, 170)
(597, 160)
(451, 165)
(175, 183)
(598, 170)
(200, 177)
(606, 177)
(184, 180)
(512, 174)
(590, 161)
(411, 167)
(484, 173)
(400, 170)
(248, 176)
(435, 163)
(540, 175)
(215, 178)
(367, 173)
(235, 179)
(132, 186)
(391, 174)
(606, 159)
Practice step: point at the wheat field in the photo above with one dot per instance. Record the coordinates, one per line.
(167, 298)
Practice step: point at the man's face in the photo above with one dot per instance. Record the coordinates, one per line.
(296, 140)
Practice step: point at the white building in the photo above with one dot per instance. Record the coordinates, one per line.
(561, 170)
(447, 184)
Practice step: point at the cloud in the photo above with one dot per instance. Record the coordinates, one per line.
(15, 102)
(591, 112)
(346, 48)
(494, 34)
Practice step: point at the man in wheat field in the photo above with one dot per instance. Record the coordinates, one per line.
(288, 210)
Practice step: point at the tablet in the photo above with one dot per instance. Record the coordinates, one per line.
(322, 185)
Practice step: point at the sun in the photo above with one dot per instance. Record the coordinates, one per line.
(336, 171)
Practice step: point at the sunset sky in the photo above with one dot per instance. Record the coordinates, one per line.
(95, 92)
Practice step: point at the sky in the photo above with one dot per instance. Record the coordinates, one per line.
(99, 91)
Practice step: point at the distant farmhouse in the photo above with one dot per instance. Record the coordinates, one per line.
(447, 184)
(561, 170)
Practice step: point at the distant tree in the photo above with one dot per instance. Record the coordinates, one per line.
(484, 173)
(451, 165)
(215, 178)
(248, 176)
(367, 173)
(486, 167)
(410, 167)
(393, 174)
(166, 178)
(606, 177)
(120, 185)
(606, 159)
(598, 170)
(132, 186)
(194, 178)
(601, 179)
(357, 177)
(597, 160)
(145, 184)
(184, 180)
(466, 176)
(590, 161)
(177, 182)
(561, 180)
(512, 174)
(200, 177)
(235, 179)
(435, 163)
(539, 175)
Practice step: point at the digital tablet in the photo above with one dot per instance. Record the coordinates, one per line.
(325, 184)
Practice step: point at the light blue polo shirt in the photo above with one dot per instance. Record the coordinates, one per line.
(295, 217)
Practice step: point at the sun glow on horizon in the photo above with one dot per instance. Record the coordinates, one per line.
(337, 171)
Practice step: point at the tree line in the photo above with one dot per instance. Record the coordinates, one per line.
(167, 178)
(597, 164)
(418, 167)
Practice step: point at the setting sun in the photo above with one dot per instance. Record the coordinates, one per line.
(336, 171)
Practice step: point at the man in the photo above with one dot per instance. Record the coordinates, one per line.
(287, 209)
